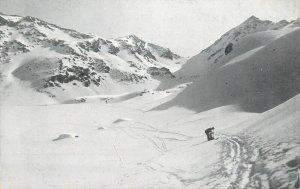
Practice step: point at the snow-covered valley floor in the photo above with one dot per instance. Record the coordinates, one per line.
(126, 144)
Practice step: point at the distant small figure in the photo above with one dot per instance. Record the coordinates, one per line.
(210, 133)
(106, 101)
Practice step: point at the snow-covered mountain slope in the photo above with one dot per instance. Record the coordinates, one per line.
(63, 63)
(217, 54)
(255, 66)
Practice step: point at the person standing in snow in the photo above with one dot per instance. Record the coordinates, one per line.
(209, 133)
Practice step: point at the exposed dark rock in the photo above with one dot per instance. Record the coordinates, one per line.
(167, 54)
(161, 72)
(99, 66)
(228, 48)
(83, 75)
(148, 54)
(294, 163)
(13, 46)
(113, 50)
(126, 76)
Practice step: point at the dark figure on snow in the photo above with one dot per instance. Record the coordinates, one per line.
(210, 133)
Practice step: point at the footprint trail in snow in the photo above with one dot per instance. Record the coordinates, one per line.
(237, 158)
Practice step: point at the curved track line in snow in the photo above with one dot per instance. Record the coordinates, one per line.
(236, 161)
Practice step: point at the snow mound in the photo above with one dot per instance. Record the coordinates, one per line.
(65, 136)
(121, 120)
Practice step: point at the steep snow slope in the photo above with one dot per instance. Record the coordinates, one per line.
(261, 70)
(62, 63)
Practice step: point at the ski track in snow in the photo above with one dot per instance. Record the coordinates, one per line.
(233, 171)
(236, 169)
(236, 161)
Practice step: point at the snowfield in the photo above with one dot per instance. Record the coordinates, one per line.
(118, 146)
(150, 134)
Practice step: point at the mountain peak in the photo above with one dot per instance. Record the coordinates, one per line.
(131, 37)
(255, 20)
(252, 19)
(5, 19)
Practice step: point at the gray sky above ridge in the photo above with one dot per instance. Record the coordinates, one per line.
(184, 26)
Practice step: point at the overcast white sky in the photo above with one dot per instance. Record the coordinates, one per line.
(184, 26)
